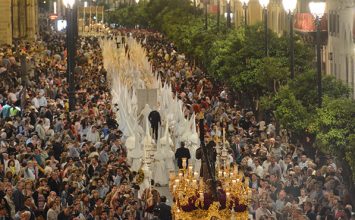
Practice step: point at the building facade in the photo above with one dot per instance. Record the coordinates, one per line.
(341, 41)
(19, 20)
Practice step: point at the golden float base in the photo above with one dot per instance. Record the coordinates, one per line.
(213, 213)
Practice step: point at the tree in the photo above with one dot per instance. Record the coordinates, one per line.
(334, 129)
(304, 87)
(288, 110)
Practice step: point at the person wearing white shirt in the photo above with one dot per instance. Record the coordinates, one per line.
(303, 163)
(42, 100)
(93, 135)
(35, 102)
(267, 162)
(258, 169)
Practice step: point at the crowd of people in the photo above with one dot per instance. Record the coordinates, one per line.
(288, 180)
(56, 164)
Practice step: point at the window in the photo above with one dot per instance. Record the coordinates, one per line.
(337, 24)
(331, 22)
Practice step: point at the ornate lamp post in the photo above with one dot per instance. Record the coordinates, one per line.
(229, 19)
(85, 6)
(206, 13)
(317, 9)
(218, 13)
(264, 4)
(245, 7)
(290, 6)
(69, 4)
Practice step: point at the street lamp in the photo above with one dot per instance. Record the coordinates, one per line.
(290, 6)
(206, 14)
(229, 19)
(69, 4)
(194, 2)
(245, 7)
(231, 15)
(54, 7)
(317, 9)
(85, 6)
(218, 13)
(264, 4)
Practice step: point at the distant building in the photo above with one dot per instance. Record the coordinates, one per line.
(19, 20)
(341, 41)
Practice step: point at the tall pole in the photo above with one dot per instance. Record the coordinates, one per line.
(266, 33)
(97, 17)
(319, 64)
(71, 58)
(218, 13)
(84, 19)
(292, 48)
(206, 15)
(229, 20)
(75, 19)
(102, 17)
(245, 7)
(90, 15)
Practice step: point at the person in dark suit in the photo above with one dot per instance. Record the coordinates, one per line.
(18, 197)
(155, 121)
(29, 207)
(163, 210)
(65, 214)
(54, 183)
(180, 153)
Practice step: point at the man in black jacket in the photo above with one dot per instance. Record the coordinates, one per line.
(155, 121)
(29, 207)
(163, 210)
(54, 183)
(182, 152)
(18, 197)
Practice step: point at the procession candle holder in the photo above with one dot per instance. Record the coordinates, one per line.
(188, 191)
(190, 170)
(180, 175)
(220, 173)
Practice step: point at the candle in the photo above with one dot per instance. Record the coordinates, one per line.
(231, 174)
(234, 182)
(201, 196)
(190, 170)
(196, 175)
(184, 163)
(180, 175)
(247, 182)
(224, 136)
(177, 182)
(236, 169)
(174, 188)
(228, 194)
(225, 174)
(219, 173)
(194, 182)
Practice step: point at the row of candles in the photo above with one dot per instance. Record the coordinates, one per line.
(231, 179)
